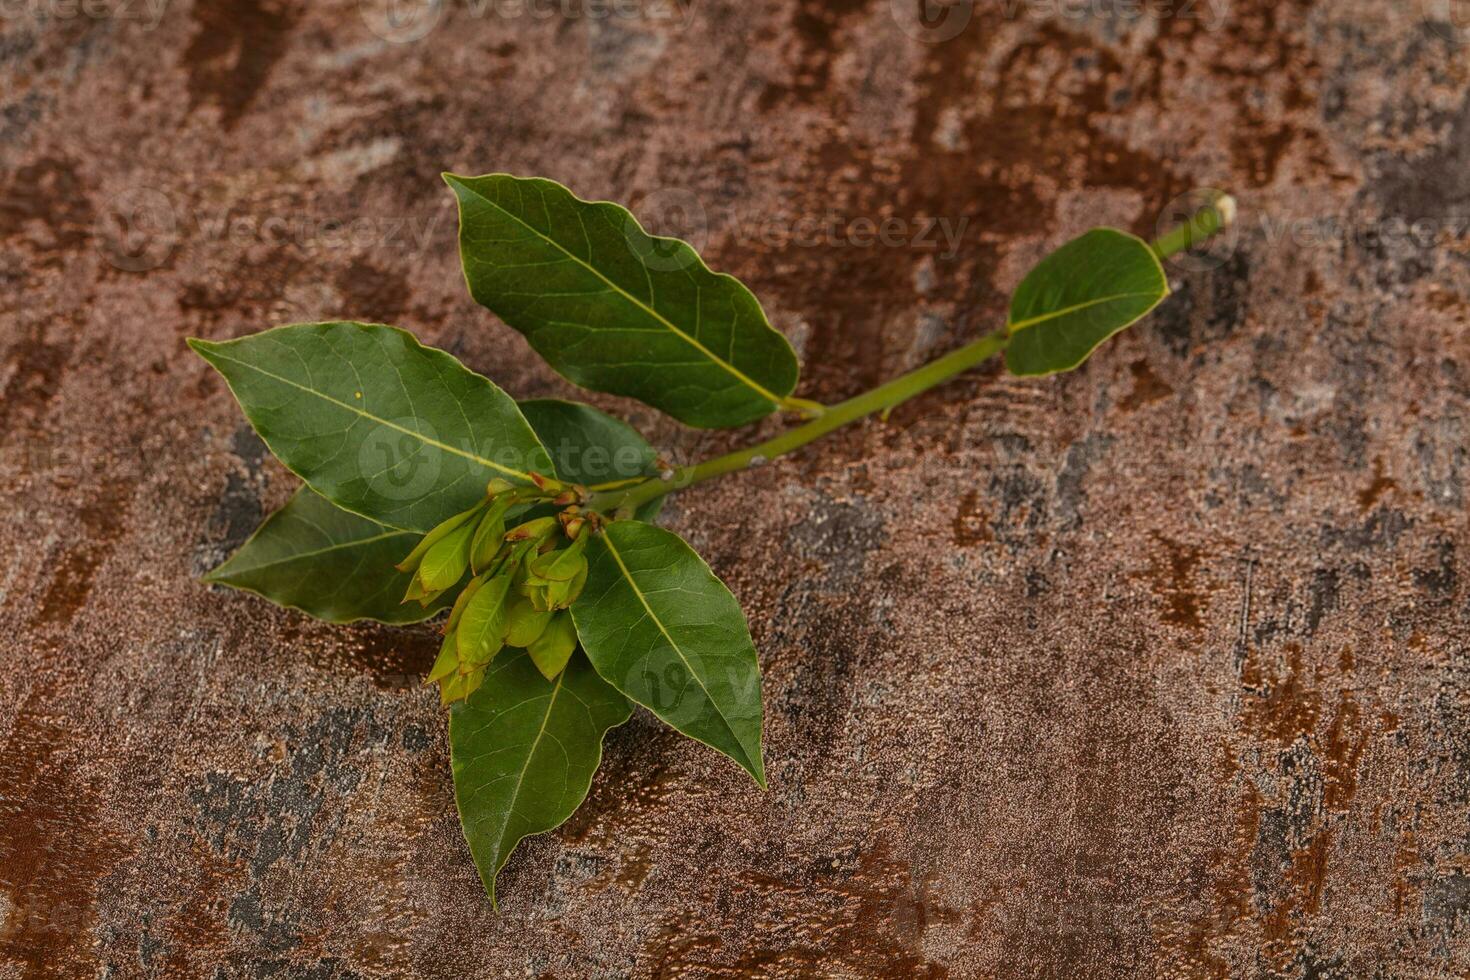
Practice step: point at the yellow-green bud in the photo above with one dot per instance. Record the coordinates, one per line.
(432, 538)
(524, 622)
(445, 563)
(481, 629)
(553, 648)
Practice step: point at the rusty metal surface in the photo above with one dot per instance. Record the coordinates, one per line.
(1157, 669)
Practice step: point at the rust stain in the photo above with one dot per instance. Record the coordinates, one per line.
(232, 53)
(866, 917)
(48, 194)
(373, 293)
(55, 847)
(1173, 578)
(1342, 750)
(1370, 495)
(816, 24)
(101, 518)
(1147, 387)
(35, 372)
(1282, 709)
(1194, 948)
(1303, 885)
(395, 658)
(1406, 860)
(971, 523)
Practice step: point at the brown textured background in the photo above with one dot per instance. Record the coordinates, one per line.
(1156, 669)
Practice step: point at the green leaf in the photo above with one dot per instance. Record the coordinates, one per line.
(375, 422)
(615, 309)
(1079, 296)
(661, 628)
(524, 750)
(326, 562)
(592, 448)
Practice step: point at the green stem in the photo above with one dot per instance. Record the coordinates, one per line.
(1205, 222)
(625, 500)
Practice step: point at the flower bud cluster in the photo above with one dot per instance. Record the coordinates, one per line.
(524, 577)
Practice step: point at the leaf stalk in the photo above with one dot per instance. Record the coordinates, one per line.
(623, 501)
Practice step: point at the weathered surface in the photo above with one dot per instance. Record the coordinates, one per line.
(1158, 669)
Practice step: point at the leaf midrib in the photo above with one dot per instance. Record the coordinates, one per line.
(732, 369)
(299, 556)
(503, 854)
(612, 550)
(216, 350)
(1055, 314)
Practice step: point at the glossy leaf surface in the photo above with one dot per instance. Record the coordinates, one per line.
(524, 750)
(618, 310)
(1079, 296)
(326, 562)
(375, 422)
(661, 628)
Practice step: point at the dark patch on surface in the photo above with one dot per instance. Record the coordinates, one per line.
(1172, 320)
(1325, 590)
(249, 289)
(35, 367)
(1447, 901)
(1206, 308)
(285, 816)
(1380, 531)
(373, 294)
(102, 519)
(410, 180)
(1369, 496)
(233, 51)
(416, 738)
(1432, 184)
(238, 512)
(396, 658)
(1229, 290)
(1023, 505)
(815, 702)
(840, 536)
(1440, 580)
(1147, 387)
(1052, 93)
(815, 24)
(1173, 578)
(869, 917)
(48, 195)
(971, 524)
(17, 118)
(1071, 481)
